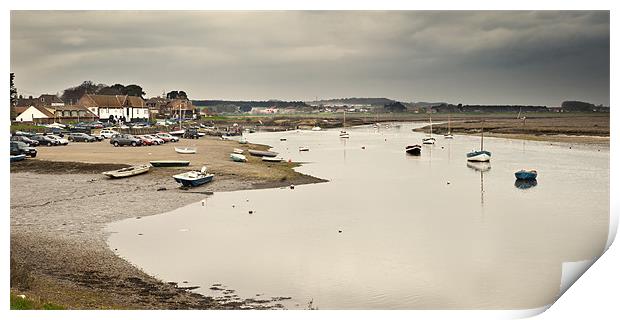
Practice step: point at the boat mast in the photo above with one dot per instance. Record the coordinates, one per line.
(344, 120)
(482, 137)
(449, 115)
(430, 120)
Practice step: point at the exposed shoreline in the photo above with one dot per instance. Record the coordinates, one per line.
(58, 239)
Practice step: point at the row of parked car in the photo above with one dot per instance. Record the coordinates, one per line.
(142, 140)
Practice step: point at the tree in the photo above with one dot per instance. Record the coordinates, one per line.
(72, 95)
(13, 96)
(176, 95)
(134, 90)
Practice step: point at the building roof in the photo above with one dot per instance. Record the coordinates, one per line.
(45, 111)
(182, 104)
(110, 101)
(75, 108)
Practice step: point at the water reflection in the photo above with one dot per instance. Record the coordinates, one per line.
(481, 167)
(525, 184)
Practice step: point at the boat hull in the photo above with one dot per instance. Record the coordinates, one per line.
(479, 156)
(238, 157)
(526, 175)
(127, 172)
(169, 163)
(188, 181)
(185, 150)
(273, 159)
(414, 150)
(260, 153)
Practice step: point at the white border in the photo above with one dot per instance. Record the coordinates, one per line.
(593, 296)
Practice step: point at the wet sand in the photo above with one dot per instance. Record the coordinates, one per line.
(60, 205)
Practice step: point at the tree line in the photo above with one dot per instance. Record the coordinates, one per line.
(73, 94)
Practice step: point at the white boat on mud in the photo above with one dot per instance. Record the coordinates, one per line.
(316, 128)
(273, 159)
(238, 157)
(304, 149)
(127, 172)
(185, 150)
(193, 178)
(261, 153)
(177, 132)
(238, 151)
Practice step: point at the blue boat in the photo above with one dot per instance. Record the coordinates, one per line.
(194, 178)
(526, 174)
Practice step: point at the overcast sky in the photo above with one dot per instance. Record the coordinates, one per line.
(458, 57)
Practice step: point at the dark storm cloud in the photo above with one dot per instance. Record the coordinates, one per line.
(470, 57)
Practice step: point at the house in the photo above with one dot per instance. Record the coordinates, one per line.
(44, 100)
(170, 108)
(35, 114)
(123, 107)
(60, 114)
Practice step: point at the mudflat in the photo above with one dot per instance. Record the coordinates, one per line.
(61, 203)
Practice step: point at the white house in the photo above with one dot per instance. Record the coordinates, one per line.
(116, 106)
(35, 114)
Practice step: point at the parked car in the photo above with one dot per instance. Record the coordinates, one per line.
(78, 136)
(18, 147)
(167, 137)
(99, 137)
(45, 140)
(29, 141)
(125, 140)
(156, 140)
(107, 133)
(146, 141)
(62, 141)
(191, 133)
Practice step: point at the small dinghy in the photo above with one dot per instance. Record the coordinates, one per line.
(243, 140)
(18, 157)
(193, 178)
(430, 140)
(127, 172)
(304, 149)
(316, 128)
(169, 163)
(414, 150)
(282, 139)
(185, 150)
(260, 153)
(238, 151)
(526, 175)
(238, 157)
(273, 159)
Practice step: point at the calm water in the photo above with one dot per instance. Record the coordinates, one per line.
(426, 232)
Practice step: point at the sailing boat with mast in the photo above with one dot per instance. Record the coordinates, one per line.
(343, 133)
(449, 134)
(429, 139)
(481, 155)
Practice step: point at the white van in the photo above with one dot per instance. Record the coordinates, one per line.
(107, 133)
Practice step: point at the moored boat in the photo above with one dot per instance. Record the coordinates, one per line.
(193, 178)
(238, 151)
(185, 150)
(238, 157)
(177, 132)
(304, 149)
(429, 140)
(127, 172)
(415, 149)
(243, 140)
(273, 159)
(169, 163)
(261, 153)
(480, 155)
(526, 174)
(316, 128)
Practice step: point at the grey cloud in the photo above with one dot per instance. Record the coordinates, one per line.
(470, 57)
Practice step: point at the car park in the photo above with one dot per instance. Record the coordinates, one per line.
(45, 140)
(107, 133)
(80, 137)
(27, 140)
(125, 140)
(18, 147)
(61, 141)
